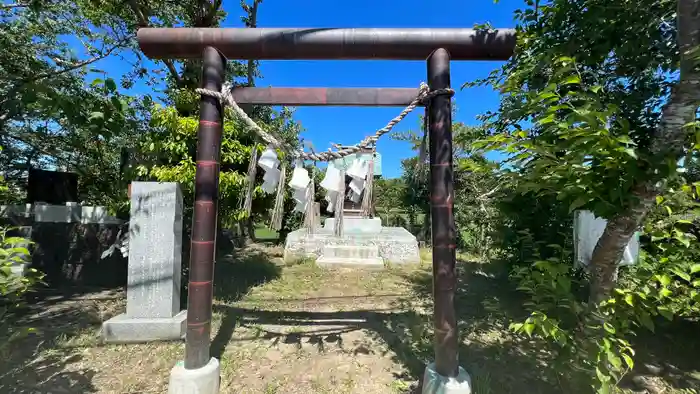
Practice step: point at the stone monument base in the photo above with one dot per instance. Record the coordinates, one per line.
(338, 256)
(392, 245)
(124, 329)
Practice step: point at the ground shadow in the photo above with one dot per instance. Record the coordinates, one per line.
(407, 336)
(670, 354)
(45, 360)
(499, 362)
(233, 278)
(485, 303)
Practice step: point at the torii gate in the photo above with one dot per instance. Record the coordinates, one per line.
(215, 45)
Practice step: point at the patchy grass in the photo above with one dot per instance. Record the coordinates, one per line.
(295, 329)
(264, 233)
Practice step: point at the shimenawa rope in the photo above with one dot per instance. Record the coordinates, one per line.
(226, 98)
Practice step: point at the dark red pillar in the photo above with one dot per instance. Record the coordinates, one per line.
(443, 222)
(206, 193)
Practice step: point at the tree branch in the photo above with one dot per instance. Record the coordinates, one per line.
(78, 65)
(11, 6)
(489, 193)
(142, 21)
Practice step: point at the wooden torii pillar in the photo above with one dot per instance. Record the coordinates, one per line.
(214, 45)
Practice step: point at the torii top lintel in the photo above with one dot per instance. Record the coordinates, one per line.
(327, 43)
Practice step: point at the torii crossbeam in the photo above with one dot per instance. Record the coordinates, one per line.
(214, 45)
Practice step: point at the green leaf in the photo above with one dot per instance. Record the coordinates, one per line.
(623, 139)
(110, 85)
(631, 152)
(628, 361)
(614, 359)
(529, 328)
(609, 327)
(664, 279)
(547, 119)
(579, 202)
(645, 320)
(695, 268)
(601, 376)
(665, 312)
(572, 79)
(683, 275)
(96, 116)
(629, 299)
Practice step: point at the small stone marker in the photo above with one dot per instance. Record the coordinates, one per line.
(153, 286)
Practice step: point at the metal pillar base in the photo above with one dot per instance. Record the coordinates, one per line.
(434, 383)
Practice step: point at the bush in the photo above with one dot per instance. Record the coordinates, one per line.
(13, 287)
(593, 342)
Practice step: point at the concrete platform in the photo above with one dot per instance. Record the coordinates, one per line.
(394, 245)
(125, 329)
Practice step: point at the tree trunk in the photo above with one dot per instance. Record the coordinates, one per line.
(251, 21)
(250, 225)
(611, 245)
(668, 142)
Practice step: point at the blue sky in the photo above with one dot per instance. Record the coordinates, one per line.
(346, 125)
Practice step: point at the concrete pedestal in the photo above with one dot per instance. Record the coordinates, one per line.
(434, 383)
(205, 380)
(125, 329)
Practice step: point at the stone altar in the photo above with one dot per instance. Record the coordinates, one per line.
(370, 247)
(364, 242)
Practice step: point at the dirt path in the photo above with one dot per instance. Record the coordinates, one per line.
(276, 329)
(292, 330)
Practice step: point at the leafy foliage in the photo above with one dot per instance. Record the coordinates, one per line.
(13, 287)
(580, 124)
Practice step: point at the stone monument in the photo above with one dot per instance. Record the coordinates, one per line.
(364, 241)
(155, 248)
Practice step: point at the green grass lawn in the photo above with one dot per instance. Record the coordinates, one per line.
(264, 233)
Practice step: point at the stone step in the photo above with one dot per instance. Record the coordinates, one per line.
(340, 251)
(350, 256)
(331, 262)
